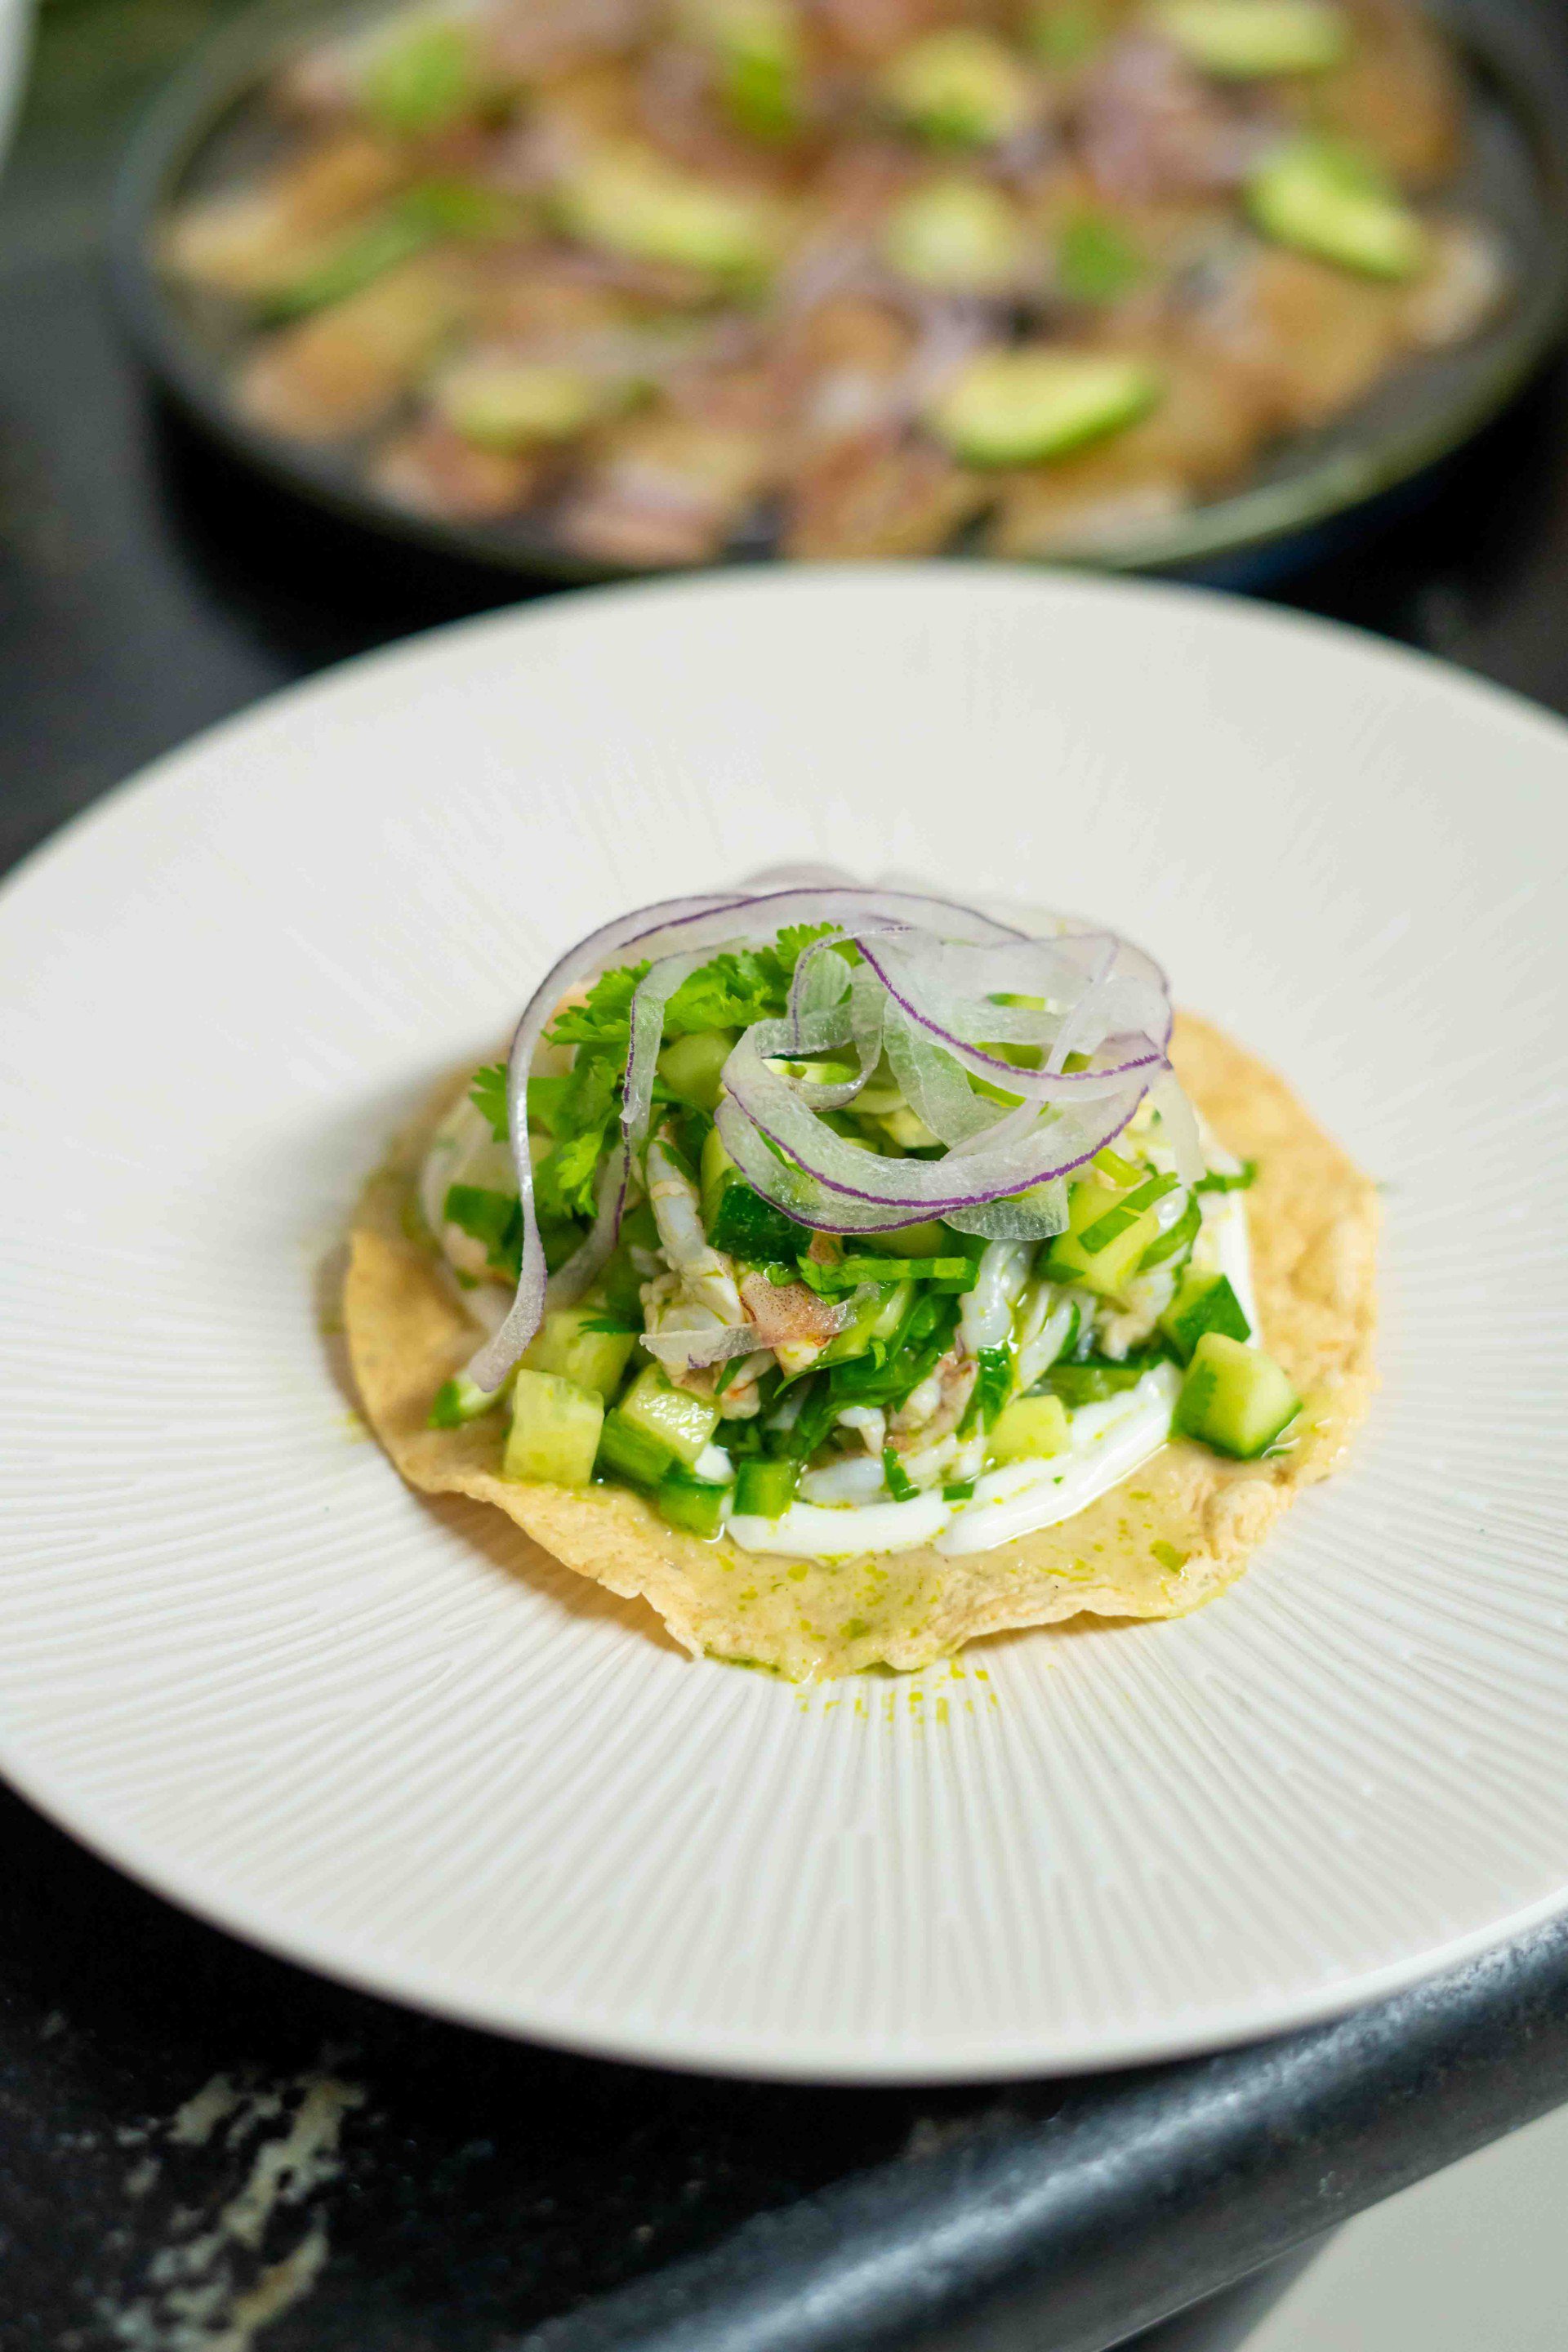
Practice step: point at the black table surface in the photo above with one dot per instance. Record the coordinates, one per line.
(198, 2144)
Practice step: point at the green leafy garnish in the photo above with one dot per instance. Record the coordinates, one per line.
(898, 1483)
(1096, 261)
(1245, 1176)
(488, 1095)
(495, 1219)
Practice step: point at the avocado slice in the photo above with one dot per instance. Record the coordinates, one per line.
(1326, 201)
(757, 45)
(1246, 40)
(636, 206)
(962, 88)
(516, 405)
(961, 236)
(1021, 407)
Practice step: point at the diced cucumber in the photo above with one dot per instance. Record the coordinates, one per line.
(1103, 1243)
(565, 1344)
(1234, 1398)
(460, 1399)
(877, 1318)
(692, 1068)
(1029, 1429)
(1021, 407)
(1176, 1242)
(746, 1226)
(1204, 1302)
(962, 87)
(1324, 200)
(695, 1504)
(648, 210)
(554, 1433)
(931, 1239)
(682, 1423)
(848, 1273)
(631, 1454)
(714, 1170)
(960, 235)
(1240, 40)
(765, 1487)
(1092, 1382)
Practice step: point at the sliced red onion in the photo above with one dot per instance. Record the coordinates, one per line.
(1033, 1216)
(1180, 1123)
(649, 998)
(700, 922)
(853, 1189)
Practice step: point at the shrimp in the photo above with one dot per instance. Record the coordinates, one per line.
(705, 1275)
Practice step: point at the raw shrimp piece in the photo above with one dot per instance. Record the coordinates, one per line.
(1149, 126)
(1311, 340)
(341, 372)
(791, 1319)
(251, 240)
(665, 490)
(1397, 94)
(434, 471)
(1464, 286)
(879, 494)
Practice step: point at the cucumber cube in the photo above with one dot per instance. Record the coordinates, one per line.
(1106, 1238)
(765, 1487)
(682, 1423)
(1030, 1429)
(1235, 1398)
(554, 1433)
(594, 1359)
(931, 1239)
(1238, 40)
(630, 1454)
(1205, 1302)
(1326, 202)
(692, 1068)
(876, 1318)
(695, 1504)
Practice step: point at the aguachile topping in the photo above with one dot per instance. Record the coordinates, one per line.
(847, 1220)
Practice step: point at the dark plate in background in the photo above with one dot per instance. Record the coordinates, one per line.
(209, 127)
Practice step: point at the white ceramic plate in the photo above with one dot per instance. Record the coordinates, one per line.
(238, 1656)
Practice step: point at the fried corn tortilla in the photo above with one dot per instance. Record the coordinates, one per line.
(1176, 1532)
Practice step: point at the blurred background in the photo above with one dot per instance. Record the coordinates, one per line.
(161, 568)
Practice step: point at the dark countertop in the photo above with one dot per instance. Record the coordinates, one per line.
(198, 2142)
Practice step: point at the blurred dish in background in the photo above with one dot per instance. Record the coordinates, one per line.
(611, 285)
(15, 29)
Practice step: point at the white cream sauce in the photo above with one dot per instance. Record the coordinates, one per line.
(1109, 1440)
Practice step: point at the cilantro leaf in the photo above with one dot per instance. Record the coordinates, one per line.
(604, 1021)
(493, 1218)
(488, 1095)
